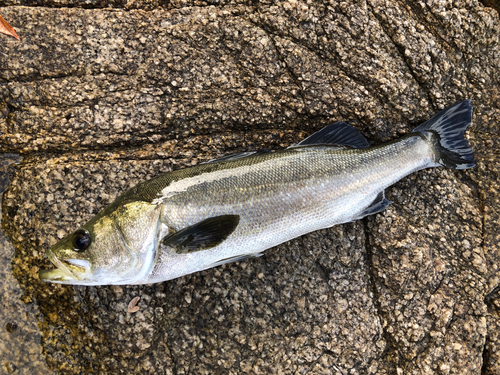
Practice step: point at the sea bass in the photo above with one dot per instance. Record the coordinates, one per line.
(237, 206)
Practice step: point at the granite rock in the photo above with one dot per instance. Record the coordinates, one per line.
(97, 99)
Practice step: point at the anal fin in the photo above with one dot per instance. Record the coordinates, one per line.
(379, 204)
(234, 259)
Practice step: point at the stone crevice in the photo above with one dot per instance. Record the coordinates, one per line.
(391, 346)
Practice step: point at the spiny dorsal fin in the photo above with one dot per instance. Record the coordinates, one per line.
(203, 235)
(238, 155)
(339, 134)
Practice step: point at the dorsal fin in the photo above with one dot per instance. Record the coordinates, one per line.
(236, 156)
(339, 134)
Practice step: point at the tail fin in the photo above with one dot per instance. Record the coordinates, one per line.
(446, 131)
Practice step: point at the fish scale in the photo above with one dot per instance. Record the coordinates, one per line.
(283, 196)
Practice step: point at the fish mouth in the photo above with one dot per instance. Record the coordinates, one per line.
(69, 271)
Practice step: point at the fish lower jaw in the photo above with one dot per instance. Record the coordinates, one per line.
(64, 276)
(56, 276)
(63, 272)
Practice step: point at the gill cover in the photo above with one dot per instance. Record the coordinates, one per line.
(118, 246)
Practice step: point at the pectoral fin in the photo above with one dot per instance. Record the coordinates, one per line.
(203, 235)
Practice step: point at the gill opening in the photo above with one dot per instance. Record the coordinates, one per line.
(149, 258)
(135, 258)
(152, 252)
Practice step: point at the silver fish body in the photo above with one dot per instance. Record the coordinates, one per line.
(237, 207)
(281, 196)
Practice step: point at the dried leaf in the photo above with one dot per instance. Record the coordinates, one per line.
(132, 308)
(5, 28)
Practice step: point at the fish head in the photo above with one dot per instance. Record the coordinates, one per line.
(116, 247)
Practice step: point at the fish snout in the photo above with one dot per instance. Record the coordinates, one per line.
(67, 270)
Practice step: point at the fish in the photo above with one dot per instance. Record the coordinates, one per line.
(236, 207)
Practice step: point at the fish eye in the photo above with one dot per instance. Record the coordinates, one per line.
(81, 240)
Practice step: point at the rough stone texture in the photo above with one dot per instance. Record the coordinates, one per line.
(20, 351)
(100, 99)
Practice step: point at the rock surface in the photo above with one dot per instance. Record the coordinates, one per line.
(99, 99)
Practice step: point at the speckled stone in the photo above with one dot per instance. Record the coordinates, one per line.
(20, 350)
(99, 99)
